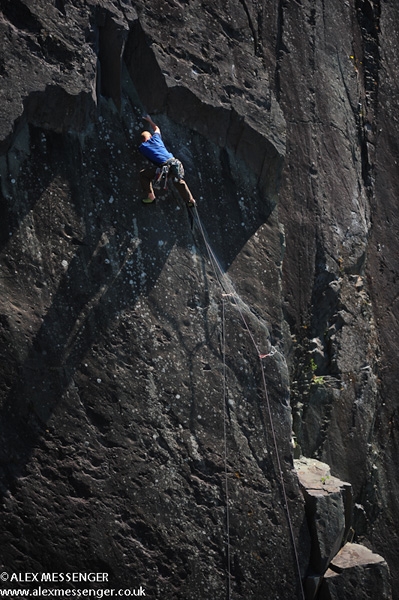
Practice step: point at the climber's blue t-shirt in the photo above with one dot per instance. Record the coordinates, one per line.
(154, 149)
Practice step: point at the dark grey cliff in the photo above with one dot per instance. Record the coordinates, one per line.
(136, 437)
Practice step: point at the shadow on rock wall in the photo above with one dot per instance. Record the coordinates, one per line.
(79, 249)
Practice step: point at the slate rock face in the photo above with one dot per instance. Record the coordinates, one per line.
(337, 189)
(136, 430)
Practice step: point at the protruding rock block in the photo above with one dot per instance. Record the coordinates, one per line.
(356, 572)
(328, 503)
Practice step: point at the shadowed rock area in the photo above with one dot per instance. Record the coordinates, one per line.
(161, 367)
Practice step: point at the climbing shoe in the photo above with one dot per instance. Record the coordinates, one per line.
(148, 200)
(191, 203)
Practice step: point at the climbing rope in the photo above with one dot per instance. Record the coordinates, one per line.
(219, 275)
(226, 479)
(229, 291)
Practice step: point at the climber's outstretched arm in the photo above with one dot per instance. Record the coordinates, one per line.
(151, 122)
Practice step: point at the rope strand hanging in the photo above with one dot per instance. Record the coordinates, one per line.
(229, 291)
(226, 480)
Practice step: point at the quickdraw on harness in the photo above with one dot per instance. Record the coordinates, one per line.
(172, 168)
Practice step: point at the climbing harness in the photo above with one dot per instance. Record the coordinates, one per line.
(172, 168)
(160, 180)
(228, 291)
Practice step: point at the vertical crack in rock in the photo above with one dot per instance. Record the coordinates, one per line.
(367, 63)
(111, 44)
(252, 27)
(280, 47)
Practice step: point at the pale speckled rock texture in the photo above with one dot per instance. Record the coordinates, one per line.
(114, 404)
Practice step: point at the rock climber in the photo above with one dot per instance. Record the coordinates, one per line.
(153, 148)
